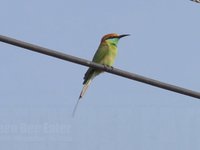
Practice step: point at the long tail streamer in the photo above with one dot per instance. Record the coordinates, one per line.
(85, 87)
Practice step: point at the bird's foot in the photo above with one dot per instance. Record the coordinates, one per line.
(107, 67)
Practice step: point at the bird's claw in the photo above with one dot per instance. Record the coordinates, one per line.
(108, 67)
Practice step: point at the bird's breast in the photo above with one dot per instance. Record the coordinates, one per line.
(110, 56)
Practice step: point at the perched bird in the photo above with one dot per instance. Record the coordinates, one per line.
(104, 55)
(198, 1)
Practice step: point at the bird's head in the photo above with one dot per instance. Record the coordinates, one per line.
(112, 38)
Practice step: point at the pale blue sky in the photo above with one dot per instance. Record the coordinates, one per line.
(38, 93)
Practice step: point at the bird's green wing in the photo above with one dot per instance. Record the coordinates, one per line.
(98, 57)
(100, 53)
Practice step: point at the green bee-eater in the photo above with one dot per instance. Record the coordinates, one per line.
(104, 55)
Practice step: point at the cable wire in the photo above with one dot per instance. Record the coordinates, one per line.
(111, 70)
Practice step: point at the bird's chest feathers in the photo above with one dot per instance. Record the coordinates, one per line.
(112, 50)
(112, 47)
(111, 53)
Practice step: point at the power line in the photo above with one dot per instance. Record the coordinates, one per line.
(115, 71)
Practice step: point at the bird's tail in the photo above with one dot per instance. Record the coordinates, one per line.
(84, 89)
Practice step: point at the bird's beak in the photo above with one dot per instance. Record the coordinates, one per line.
(123, 35)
